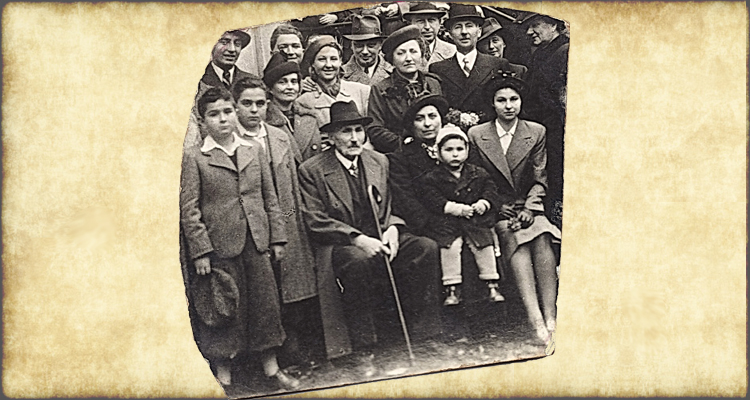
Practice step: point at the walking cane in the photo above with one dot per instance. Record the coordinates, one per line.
(375, 200)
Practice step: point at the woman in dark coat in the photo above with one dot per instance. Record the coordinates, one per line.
(390, 98)
(416, 156)
(513, 152)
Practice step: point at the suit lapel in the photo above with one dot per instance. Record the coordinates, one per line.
(454, 73)
(336, 181)
(218, 158)
(520, 145)
(244, 157)
(489, 144)
(279, 146)
(481, 69)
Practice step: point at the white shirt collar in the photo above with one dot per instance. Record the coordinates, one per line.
(501, 132)
(220, 73)
(259, 135)
(347, 163)
(209, 144)
(471, 58)
(433, 45)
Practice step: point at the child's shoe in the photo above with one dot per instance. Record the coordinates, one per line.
(495, 295)
(451, 297)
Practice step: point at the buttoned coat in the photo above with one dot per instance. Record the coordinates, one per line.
(329, 217)
(220, 202)
(320, 103)
(305, 131)
(194, 136)
(467, 93)
(439, 186)
(389, 100)
(353, 72)
(297, 267)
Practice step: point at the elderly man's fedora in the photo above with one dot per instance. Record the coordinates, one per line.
(342, 114)
(365, 27)
(461, 12)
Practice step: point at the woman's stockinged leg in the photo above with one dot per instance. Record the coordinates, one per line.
(545, 270)
(523, 270)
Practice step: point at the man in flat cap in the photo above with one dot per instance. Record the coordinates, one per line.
(221, 71)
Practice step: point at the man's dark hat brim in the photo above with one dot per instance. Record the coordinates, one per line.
(366, 36)
(333, 125)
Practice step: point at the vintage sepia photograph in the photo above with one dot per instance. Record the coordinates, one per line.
(375, 193)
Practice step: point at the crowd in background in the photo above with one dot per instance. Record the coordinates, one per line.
(372, 140)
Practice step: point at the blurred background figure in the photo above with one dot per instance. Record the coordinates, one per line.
(428, 18)
(287, 40)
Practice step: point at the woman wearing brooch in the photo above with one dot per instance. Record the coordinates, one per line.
(390, 98)
(514, 153)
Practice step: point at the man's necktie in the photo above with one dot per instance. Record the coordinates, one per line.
(226, 78)
(427, 53)
(367, 70)
(353, 170)
(467, 70)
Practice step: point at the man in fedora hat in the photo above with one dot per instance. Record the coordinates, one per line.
(366, 65)
(427, 17)
(349, 252)
(464, 74)
(220, 72)
(493, 42)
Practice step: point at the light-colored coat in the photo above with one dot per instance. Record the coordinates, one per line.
(305, 131)
(297, 266)
(320, 103)
(443, 51)
(329, 216)
(220, 202)
(353, 72)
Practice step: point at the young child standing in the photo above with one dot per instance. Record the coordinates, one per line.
(459, 195)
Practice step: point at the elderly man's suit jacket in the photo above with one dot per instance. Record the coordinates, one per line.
(466, 93)
(353, 72)
(194, 136)
(520, 174)
(329, 216)
(220, 202)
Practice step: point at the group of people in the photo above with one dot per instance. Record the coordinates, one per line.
(302, 188)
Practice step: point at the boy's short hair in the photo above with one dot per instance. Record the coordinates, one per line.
(212, 95)
(285, 29)
(246, 83)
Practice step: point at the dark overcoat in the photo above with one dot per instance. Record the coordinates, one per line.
(439, 186)
(389, 100)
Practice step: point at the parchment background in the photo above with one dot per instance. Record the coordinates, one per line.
(96, 100)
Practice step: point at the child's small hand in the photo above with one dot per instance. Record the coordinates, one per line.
(480, 207)
(466, 211)
(526, 218)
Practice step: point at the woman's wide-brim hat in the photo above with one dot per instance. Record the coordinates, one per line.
(277, 68)
(420, 102)
(216, 298)
(344, 113)
(399, 37)
(490, 27)
(461, 12)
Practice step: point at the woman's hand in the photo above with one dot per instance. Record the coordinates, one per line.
(277, 252)
(203, 265)
(308, 85)
(526, 218)
(507, 211)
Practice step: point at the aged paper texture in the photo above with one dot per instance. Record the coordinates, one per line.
(652, 296)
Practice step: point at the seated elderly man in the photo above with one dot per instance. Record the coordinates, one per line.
(353, 280)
